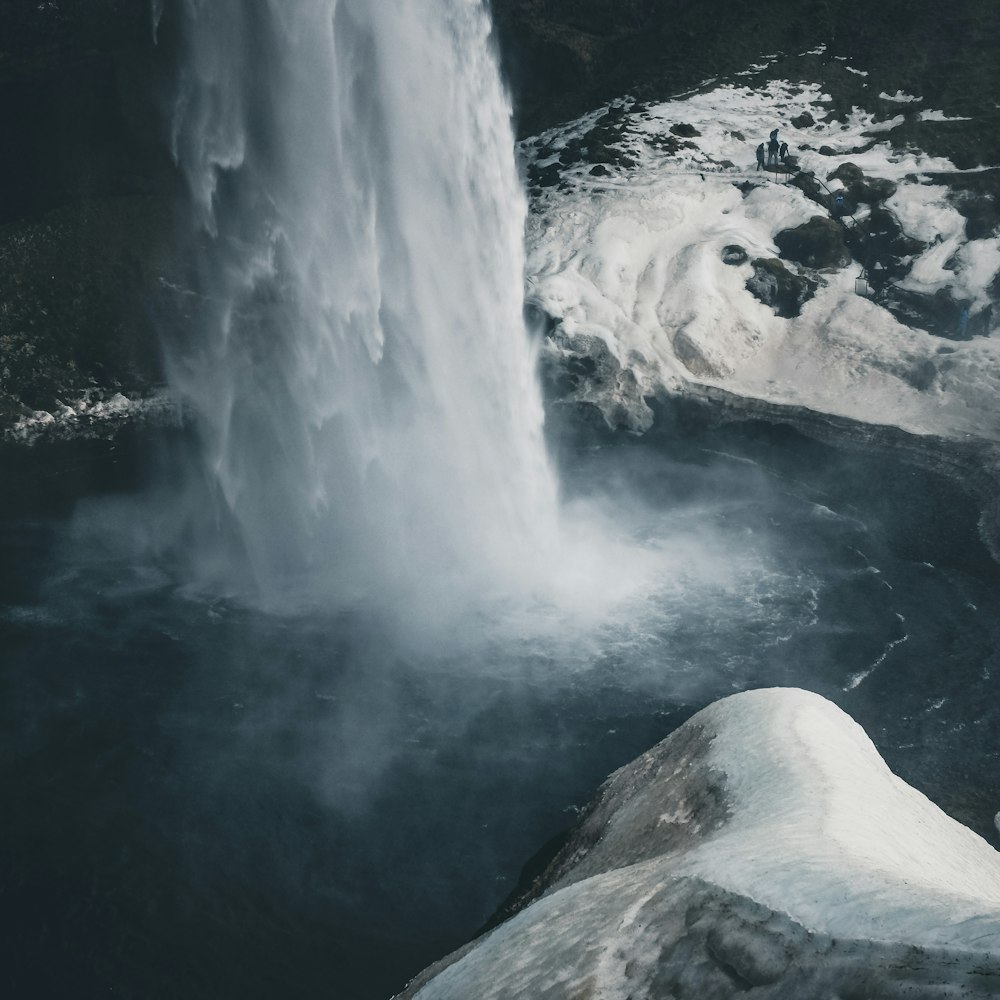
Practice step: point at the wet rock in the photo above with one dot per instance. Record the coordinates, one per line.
(581, 377)
(571, 153)
(816, 243)
(879, 244)
(805, 120)
(547, 176)
(784, 291)
(684, 130)
(806, 182)
(977, 197)
(734, 254)
(859, 188)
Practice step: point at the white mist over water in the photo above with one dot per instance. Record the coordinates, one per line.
(358, 368)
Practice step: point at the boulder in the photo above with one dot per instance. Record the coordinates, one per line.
(816, 243)
(805, 120)
(734, 254)
(879, 241)
(869, 190)
(764, 848)
(977, 196)
(684, 130)
(805, 181)
(580, 373)
(774, 285)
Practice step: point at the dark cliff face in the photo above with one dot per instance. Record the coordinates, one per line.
(87, 187)
(564, 57)
(77, 115)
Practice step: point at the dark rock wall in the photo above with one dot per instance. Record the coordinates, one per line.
(86, 194)
(77, 111)
(83, 135)
(564, 57)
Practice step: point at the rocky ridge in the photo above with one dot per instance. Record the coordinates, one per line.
(764, 846)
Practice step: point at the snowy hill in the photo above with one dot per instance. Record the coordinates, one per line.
(763, 845)
(674, 265)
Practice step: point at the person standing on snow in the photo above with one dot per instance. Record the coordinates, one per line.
(783, 151)
(760, 157)
(772, 148)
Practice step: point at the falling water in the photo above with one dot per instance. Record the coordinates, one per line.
(357, 366)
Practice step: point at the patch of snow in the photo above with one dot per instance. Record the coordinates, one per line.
(874, 838)
(940, 116)
(94, 414)
(635, 259)
(899, 97)
(822, 867)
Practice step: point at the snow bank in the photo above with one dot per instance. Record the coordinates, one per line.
(631, 252)
(763, 844)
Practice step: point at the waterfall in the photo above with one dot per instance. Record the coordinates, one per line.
(356, 361)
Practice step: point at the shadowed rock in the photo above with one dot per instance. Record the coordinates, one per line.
(816, 243)
(774, 285)
(763, 847)
(859, 188)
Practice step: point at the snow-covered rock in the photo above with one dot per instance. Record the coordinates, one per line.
(95, 414)
(627, 243)
(764, 846)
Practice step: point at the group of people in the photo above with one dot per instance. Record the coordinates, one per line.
(776, 151)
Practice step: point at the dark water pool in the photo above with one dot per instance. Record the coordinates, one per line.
(204, 801)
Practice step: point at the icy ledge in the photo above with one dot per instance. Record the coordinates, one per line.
(632, 260)
(95, 414)
(764, 846)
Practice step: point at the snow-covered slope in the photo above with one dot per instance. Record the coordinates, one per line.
(634, 206)
(766, 845)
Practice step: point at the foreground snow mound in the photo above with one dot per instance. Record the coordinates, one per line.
(654, 234)
(764, 846)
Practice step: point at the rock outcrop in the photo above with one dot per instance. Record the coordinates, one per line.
(764, 846)
(776, 286)
(816, 243)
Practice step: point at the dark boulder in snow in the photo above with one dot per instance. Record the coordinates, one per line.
(862, 189)
(764, 849)
(878, 243)
(977, 197)
(816, 243)
(734, 254)
(774, 285)
(940, 314)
